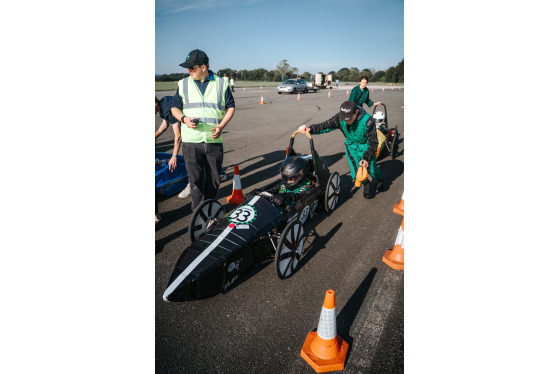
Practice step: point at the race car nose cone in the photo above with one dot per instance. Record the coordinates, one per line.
(197, 275)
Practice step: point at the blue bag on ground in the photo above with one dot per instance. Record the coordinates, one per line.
(167, 182)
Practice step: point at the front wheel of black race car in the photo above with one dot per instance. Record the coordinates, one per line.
(394, 143)
(204, 217)
(332, 191)
(289, 248)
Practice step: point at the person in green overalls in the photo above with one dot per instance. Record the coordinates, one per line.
(361, 142)
(360, 94)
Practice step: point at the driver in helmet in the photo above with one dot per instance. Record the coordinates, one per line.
(295, 182)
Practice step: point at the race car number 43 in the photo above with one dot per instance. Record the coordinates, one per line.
(244, 214)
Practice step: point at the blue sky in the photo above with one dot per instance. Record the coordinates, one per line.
(314, 35)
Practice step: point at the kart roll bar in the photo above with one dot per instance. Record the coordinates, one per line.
(319, 171)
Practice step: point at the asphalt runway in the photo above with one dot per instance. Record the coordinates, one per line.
(260, 324)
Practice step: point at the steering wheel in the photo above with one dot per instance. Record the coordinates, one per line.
(265, 194)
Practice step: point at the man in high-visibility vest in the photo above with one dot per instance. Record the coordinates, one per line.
(204, 105)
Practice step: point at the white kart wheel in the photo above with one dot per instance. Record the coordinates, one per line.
(206, 212)
(289, 249)
(332, 191)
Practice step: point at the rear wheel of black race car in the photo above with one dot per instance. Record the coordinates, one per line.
(289, 248)
(394, 143)
(204, 217)
(332, 191)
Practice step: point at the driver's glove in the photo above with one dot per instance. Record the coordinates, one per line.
(277, 199)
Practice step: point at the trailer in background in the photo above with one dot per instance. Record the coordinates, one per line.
(323, 80)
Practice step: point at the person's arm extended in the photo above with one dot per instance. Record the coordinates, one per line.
(176, 145)
(368, 100)
(372, 142)
(331, 124)
(161, 128)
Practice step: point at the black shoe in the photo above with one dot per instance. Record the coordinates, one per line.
(369, 192)
(380, 186)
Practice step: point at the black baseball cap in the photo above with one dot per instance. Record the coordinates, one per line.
(347, 110)
(196, 57)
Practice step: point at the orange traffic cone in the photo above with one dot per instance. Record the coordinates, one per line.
(372, 90)
(392, 89)
(236, 197)
(347, 93)
(262, 100)
(395, 257)
(329, 94)
(323, 349)
(261, 88)
(399, 88)
(361, 175)
(383, 89)
(299, 98)
(399, 208)
(243, 89)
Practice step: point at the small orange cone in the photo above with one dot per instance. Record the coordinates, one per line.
(299, 98)
(262, 100)
(261, 88)
(395, 257)
(383, 89)
(236, 197)
(347, 93)
(392, 89)
(329, 94)
(243, 89)
(399, 208)
(323, 349)
(372, 90)
(399, 88)
(361, 175)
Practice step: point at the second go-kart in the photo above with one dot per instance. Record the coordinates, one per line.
(388, 137)
(224, 246)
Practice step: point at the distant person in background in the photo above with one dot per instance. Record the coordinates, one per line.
(231, 84)
(360, 94)
(337, 83)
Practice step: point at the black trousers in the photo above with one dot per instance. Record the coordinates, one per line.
(204, 163)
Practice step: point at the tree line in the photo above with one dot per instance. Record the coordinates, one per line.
(394, 74)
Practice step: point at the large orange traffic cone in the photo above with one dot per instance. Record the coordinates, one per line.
(395, 257)
(323, 349)
(329, 94)
(298, 97)
(399, 208)
(262, 100)
(236, 197)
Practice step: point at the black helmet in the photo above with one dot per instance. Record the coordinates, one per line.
(294, 170)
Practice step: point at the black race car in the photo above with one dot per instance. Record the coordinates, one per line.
(224, 246)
